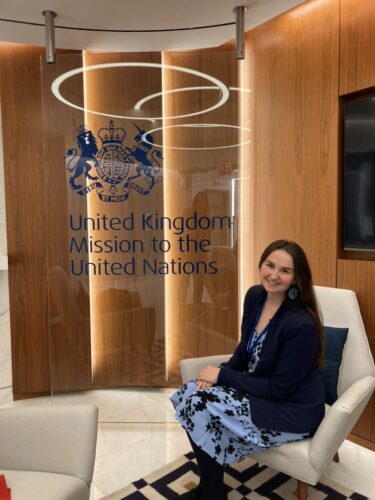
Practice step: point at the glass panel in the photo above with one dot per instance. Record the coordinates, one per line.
(202, 311)
(144, 175)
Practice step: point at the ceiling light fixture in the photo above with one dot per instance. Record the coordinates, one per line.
(55, 87)
(240, 31)
(140, 103)
(49, 16)
(195, 125)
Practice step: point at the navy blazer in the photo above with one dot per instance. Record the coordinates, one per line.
(285, 390)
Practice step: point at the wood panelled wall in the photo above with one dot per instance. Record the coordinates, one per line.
(42, 308)
(21, 106)
(357, 73)
(360, 276)
(357, 42)
(294, 65)
(69, 310)
(301, 63)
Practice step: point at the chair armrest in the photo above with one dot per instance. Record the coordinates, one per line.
(339, 421)
(60, 439)
(190, 367)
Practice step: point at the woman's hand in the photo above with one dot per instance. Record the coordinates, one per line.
(209, 374)
(203, 385)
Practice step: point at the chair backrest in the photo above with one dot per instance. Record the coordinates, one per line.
(340, 308)
(59, 439)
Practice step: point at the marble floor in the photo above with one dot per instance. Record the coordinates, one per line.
(138, 434)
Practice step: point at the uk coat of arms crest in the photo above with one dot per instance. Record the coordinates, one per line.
(115, 170)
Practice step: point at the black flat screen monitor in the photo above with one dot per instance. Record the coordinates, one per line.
(359, 175)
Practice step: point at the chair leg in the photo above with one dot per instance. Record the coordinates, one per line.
(301, 490)
(336, 457)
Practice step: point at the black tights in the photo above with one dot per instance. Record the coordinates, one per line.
(211, 474)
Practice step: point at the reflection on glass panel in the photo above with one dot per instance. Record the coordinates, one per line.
(127, 307)
(202, 309)
(143, 214)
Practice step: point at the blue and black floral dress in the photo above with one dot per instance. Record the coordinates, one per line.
(218, 419)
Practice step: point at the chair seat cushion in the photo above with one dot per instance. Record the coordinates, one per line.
(45, 486)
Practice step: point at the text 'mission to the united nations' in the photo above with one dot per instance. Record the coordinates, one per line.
(147, 243)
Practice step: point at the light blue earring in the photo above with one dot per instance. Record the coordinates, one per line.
(293, 293)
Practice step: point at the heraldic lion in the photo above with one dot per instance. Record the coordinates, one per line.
(83, 164)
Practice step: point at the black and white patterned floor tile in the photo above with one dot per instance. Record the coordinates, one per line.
(246, 480)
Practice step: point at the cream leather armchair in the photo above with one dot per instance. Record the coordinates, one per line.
(48, 453)
(307, 460)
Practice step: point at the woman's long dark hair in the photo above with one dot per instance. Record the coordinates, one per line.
(303, 281)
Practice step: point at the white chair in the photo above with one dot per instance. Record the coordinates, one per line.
(48, 453)
(307, 460)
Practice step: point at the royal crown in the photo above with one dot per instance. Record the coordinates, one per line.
(111, 135)
(81, 130)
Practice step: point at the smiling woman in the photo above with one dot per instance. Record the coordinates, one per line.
(270, 391)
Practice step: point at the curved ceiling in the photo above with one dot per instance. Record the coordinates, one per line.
(133, 26)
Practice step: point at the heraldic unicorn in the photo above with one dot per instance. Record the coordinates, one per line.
(114, 171)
